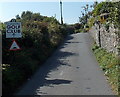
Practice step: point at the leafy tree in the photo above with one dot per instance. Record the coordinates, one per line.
(36, 17)
(115, 14)
(18, 17)
(103, 7)
(26, 15)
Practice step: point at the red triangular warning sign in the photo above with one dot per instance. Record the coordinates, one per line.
(14, 46)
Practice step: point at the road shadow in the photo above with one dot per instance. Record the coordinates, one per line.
(50, 66)
(58, 81)
(64, 43)
(50, 83)
(38, 80)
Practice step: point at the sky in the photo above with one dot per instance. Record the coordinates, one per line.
(71, 10)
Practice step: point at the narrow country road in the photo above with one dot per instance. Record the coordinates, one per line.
(71, 70)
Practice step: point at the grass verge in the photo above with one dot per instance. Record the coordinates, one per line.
(110, 64)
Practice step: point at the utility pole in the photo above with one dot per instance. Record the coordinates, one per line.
(61, 12)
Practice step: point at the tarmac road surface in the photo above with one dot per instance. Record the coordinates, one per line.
(71, 70)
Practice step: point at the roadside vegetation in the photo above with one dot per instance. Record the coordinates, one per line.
(113, 11)
(89, 17)
(110, 64)
(41, 36)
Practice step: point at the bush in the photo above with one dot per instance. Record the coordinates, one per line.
(12, 78)
(91, 22)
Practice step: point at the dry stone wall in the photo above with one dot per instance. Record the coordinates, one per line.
(109, 37)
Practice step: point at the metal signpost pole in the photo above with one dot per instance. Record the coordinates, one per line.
(13, 30)
(13, 59)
